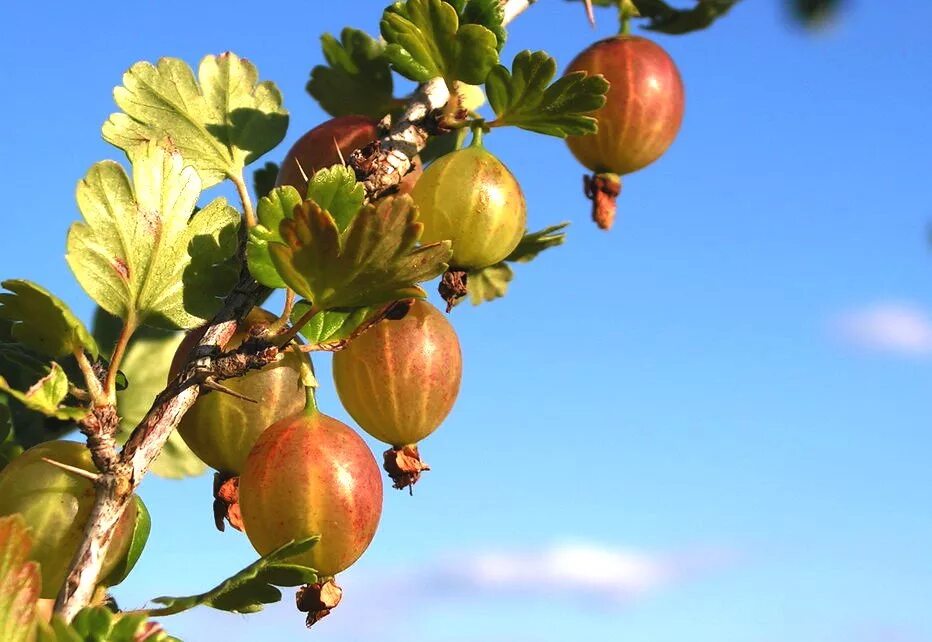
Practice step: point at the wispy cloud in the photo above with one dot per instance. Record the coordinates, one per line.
(576, 570)
(398, 602)
(897, 328)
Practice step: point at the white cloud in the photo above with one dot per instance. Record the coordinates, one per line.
(898, 328)
(578, 571)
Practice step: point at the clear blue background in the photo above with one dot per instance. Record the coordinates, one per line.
(674, 387)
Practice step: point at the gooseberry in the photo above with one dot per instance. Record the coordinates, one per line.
(220, 428)
(56, 504)
(641, 116)
(318, 149)
(470, 198)
(399, 381)
(310, 474)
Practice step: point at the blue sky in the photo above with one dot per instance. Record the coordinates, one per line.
(711, 424)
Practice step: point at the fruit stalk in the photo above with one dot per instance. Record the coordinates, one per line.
(379, 170)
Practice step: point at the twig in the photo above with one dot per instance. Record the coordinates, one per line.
(379, 169)
(248, 213)
(129, 326)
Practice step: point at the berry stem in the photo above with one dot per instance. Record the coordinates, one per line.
(249, 213)
(119, 350)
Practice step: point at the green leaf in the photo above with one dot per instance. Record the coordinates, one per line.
(44, 322)
(140, 254)
(21, 368)
(100, 624)
(523, 98)
(330, 325)
(666, 19)
(489, 283)
(492, 282)
(254, 586)
(9, 448)
(336, 190)
(20, 582)
(375, 260)
(271, 211)
(426, 40)
(263, 179)
(488, 13)
(221, 122)
(358, 79)
(534, 243)
(815, 13)
(47, 395)
(141, 529)
(146, 366)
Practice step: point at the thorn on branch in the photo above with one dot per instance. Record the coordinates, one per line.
(74, 470)
(211, 384)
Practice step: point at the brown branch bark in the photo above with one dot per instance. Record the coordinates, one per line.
(380, 169)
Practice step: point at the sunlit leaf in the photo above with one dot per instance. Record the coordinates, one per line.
(140, 254)
(220, 122)
(426, 40)
(20, 582)
(525, 98)
(46, 395)
(375, 260)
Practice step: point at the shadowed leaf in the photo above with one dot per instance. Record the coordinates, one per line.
(44, 322)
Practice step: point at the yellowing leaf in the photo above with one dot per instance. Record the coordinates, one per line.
(220, 122)
(20, 582)
(140, 254)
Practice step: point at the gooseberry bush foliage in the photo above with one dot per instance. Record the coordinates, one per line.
(182, 369)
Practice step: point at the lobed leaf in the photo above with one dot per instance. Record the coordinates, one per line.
(43, 322)
(357, 78)
(667, 19)
(375, 260)
(492, 282)
(20, 582)
(100, 624)
(221, 122)
(525, 98)
(263, 179)
(336, 190)
(253, 587)
(46, 395)
(488, 13)
(271, 211)
(140, 254)
(427, 40)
